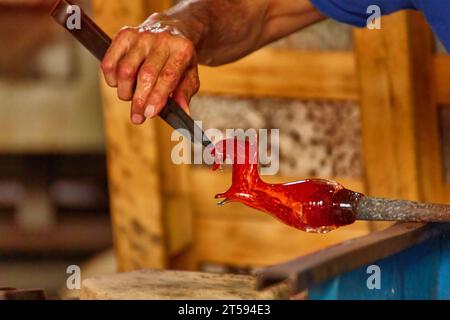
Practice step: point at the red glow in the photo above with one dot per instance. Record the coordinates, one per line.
(312, 205)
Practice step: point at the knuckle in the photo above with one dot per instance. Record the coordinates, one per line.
(183, 58)
(107, 66)
(164, 35)
(126, 71)
(146, 36)
(179, 63)
(169, 74)
(147, 74)
(126, 31)
(161, 38)
(186, 46)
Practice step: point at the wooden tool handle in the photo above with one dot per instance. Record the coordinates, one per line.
(89, 35)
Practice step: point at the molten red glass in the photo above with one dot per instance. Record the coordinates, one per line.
(312, 205)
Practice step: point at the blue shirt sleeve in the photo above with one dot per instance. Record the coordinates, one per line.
(354, 12)
(437, 13)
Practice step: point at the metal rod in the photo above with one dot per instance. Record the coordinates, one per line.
(377, 209)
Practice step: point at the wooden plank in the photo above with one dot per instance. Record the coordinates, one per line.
(441, 72)
(387, 109)
(77, 237)
(177, 285)
(240, 241)
(174, 181)
(175, 192)
(398, 77)
(16, 294)
(133, 162)
(430, 163)
(318, 267)
(285, 73)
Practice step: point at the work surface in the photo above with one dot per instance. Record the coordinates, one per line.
(177, 285)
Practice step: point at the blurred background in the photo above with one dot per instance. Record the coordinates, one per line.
(54, 208)
(54, 201)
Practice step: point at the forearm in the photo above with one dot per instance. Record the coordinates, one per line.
(226, 30)
(159, 59)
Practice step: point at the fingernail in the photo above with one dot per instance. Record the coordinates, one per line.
(137, 119)
(150, 111)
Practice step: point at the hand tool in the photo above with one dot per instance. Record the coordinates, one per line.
(97, 42)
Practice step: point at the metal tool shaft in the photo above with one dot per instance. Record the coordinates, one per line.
(377, 209)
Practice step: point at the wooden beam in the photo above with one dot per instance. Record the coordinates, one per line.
(241, 241)
(425, 91)
(133, 162)
(249, 76)
(177, 218)
(441, 71)
(285, 73)
(177, 285)
(175, 192)
(385, 65)
(80, 236)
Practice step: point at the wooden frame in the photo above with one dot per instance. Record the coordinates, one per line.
(309, 75)
(163, 217)
(137, 216)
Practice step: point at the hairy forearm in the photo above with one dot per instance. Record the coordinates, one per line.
(226, 30)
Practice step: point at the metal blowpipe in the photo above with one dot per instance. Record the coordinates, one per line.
(377, 209)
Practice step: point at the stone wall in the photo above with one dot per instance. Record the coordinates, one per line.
(318, 138)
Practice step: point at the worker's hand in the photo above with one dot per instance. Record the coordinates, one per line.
(147, 64)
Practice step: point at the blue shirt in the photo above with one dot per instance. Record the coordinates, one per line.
(354, 12)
